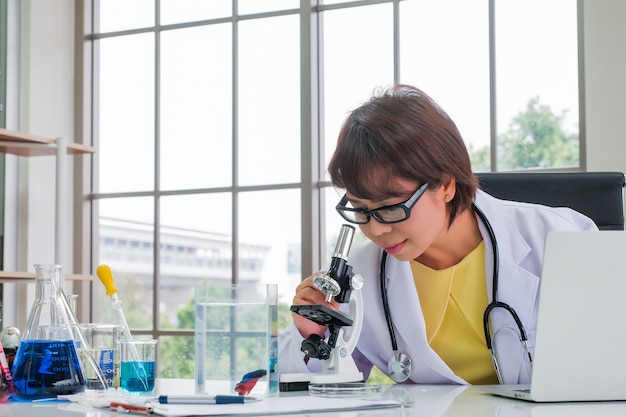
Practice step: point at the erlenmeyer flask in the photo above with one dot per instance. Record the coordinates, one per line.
(47, 362)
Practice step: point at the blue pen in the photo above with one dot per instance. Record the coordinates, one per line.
(206, 399)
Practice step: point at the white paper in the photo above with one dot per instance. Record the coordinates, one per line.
(273, 406)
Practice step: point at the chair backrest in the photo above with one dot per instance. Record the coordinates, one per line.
(598, 195)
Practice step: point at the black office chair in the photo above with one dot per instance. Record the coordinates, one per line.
(598, 195)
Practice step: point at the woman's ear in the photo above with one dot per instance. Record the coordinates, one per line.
(448, 187)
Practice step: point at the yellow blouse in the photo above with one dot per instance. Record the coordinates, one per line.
(453, 301)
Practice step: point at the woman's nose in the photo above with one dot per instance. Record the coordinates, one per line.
(377, 228)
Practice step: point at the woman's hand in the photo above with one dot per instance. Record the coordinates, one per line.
(307, 294)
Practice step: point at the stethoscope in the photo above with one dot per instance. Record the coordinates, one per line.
(400, 365)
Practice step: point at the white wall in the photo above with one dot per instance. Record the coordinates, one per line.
(605, 79)
(46, 109)
(41, 103)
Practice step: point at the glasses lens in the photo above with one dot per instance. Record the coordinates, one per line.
(353, 216)
(390, 214)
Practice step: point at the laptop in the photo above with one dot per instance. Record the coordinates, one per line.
(580, 348)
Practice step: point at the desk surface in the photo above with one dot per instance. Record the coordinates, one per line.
(426, 400)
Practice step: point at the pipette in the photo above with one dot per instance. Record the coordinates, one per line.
(106, 277)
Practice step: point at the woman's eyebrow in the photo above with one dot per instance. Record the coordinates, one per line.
(373, 200)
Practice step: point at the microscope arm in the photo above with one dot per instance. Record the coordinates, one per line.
(340, 367)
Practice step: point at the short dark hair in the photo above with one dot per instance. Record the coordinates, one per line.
(400, 132)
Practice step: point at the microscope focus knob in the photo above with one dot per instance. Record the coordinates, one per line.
(315, 347)
(356, 282)
(327, 285)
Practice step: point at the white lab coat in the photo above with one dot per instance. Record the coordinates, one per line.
(520, 231)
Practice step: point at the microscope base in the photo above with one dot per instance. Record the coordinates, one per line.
(336, 378)
(301, 381)
(294, 382)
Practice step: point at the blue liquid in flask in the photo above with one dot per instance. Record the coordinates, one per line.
(45, 369)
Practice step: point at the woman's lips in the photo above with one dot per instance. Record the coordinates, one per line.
(392, 250)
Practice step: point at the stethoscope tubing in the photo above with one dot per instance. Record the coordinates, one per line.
(383, 291)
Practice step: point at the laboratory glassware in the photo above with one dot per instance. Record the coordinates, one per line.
(47, 362)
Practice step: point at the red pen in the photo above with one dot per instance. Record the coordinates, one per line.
(130, 408)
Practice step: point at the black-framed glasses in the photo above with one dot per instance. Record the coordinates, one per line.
(394, 213)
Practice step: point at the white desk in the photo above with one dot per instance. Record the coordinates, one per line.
(427, 401)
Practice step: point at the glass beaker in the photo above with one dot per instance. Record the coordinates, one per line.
(103, 343)
(236, 338)
(47, 362)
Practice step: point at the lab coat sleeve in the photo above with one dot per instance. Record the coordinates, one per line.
(290, 357)
(362, 363)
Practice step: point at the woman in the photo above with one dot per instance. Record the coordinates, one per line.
(432, 234)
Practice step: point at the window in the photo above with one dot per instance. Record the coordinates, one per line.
(536, 85)
(214, 128)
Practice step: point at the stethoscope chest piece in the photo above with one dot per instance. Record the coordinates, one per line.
(399, 367)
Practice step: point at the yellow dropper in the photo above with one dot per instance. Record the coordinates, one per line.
(106, 277)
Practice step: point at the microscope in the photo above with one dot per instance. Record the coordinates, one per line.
(344, 330)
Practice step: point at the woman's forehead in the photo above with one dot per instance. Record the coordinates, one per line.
(382, 189)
